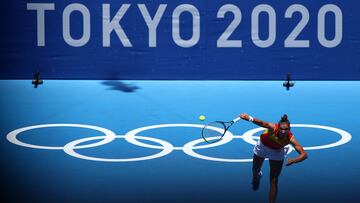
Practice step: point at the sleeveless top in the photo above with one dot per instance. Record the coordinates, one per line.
(273, 141)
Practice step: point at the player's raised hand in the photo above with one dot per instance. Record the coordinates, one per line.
(244, 116)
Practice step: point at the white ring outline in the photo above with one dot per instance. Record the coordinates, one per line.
(189, 150)
(69, 149)
(12, 136)
(131, 136)
(345, 136)
(249, 138)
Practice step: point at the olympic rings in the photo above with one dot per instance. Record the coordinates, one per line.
(12, 136)
(131, 136)
(345, 136)
(166, 147)
(69, 149)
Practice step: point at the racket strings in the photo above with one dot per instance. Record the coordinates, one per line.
(213, 131)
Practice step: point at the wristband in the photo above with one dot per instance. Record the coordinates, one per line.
(251, 119)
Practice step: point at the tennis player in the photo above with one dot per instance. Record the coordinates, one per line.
(274, 145)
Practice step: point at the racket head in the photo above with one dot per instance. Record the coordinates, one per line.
(214, 131)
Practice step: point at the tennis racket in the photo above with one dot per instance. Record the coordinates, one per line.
(215, 131)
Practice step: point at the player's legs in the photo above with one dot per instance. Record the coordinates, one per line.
(275, 170)
(256, 167)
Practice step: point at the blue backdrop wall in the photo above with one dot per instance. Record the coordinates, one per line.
(183, 39)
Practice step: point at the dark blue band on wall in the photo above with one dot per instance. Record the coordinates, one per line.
(184, 39)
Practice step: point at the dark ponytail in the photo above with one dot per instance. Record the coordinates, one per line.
(284, 119)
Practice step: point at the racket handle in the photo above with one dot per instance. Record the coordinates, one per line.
(236, 119)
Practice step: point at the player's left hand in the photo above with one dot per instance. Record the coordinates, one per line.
(289, 162)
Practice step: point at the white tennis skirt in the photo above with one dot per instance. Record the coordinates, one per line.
(273, 154)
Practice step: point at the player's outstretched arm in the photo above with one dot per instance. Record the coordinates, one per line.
(258, 122)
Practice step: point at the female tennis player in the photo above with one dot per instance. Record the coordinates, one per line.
(273, 144)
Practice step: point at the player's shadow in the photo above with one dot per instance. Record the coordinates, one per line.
(120, 86)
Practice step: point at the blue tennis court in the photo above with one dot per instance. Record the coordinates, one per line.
(163, 158)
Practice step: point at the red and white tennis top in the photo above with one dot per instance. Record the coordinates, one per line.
(273, 141)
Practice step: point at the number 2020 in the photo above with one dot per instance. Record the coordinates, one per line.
(291, 41)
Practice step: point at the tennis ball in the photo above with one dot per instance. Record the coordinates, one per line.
(202, 118)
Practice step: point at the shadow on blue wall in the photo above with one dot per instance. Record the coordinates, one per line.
(120, 86)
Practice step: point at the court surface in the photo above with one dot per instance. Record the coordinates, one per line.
(176, 167)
